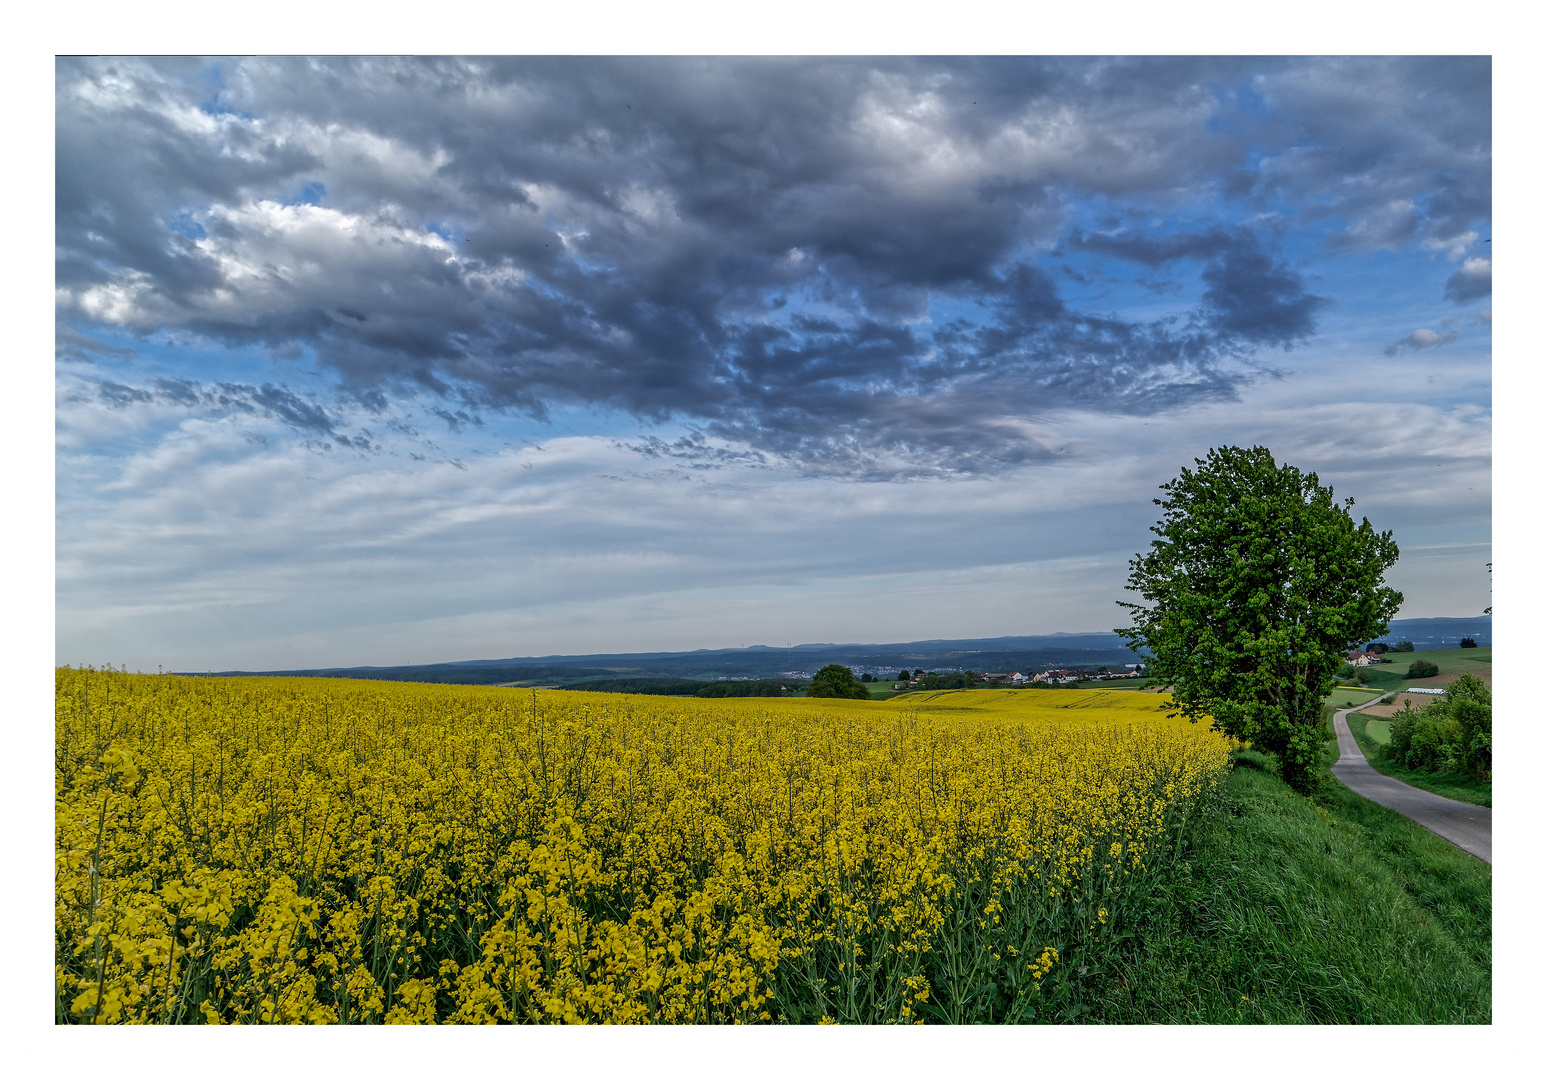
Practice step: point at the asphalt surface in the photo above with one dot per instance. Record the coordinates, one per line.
(1469, 827)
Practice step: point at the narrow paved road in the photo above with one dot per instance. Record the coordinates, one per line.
(1468, 827)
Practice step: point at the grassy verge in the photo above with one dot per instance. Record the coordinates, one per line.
(1459, 786)
(1289, 910)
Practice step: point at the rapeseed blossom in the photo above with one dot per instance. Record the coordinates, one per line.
(328, 851)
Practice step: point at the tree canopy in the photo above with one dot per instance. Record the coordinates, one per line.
(835, 680)
(1258, 584)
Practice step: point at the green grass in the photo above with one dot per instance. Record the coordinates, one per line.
(1288, 910)
(1459, 786)
(1343, 697)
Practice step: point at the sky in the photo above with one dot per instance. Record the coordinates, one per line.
(391, 361)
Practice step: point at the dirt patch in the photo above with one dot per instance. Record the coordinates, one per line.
(1484, 673)
(1418, 701)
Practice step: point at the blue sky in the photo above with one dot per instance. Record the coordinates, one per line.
(376, 361)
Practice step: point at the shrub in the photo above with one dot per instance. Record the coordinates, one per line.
(1471, 704)
(1435, 742)
(1450, 735)
(1423, 738)
(1468, 643)
(1401, 735)
(1422, 669)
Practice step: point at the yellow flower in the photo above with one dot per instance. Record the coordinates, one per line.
(429, 854)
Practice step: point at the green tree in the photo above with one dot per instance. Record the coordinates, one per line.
(835, 680)
(1422, 669)
(954, 680)
(1258, 585)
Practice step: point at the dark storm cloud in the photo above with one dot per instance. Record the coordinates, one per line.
(1254, 299)
(829, 259)
(1250, 297)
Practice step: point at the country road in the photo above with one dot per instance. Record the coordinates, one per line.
(1468, 827)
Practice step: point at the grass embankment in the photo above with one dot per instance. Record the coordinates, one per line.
(1290, 910)
(1462, 787)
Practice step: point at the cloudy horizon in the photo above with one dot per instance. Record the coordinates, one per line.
(388, 360)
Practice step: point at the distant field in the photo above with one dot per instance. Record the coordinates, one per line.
(1451, 662)
(1386, 712)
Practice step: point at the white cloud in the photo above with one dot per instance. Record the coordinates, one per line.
(1453, 246)
(193, 544)
(1421, 339)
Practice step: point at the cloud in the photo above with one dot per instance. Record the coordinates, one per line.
(850, 263)
(1420, 339)
(1472, 281)
(1453, 246)
(1257, 300)
(1156, 250)
(274, 402)
(1360, 143)
(211, 545)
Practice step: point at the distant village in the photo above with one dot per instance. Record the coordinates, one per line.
(1052, 676)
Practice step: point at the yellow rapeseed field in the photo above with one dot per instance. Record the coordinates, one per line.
(271, 850)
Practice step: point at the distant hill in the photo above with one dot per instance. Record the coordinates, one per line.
(1030, 653)
(1441, 633)
(757, 662)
